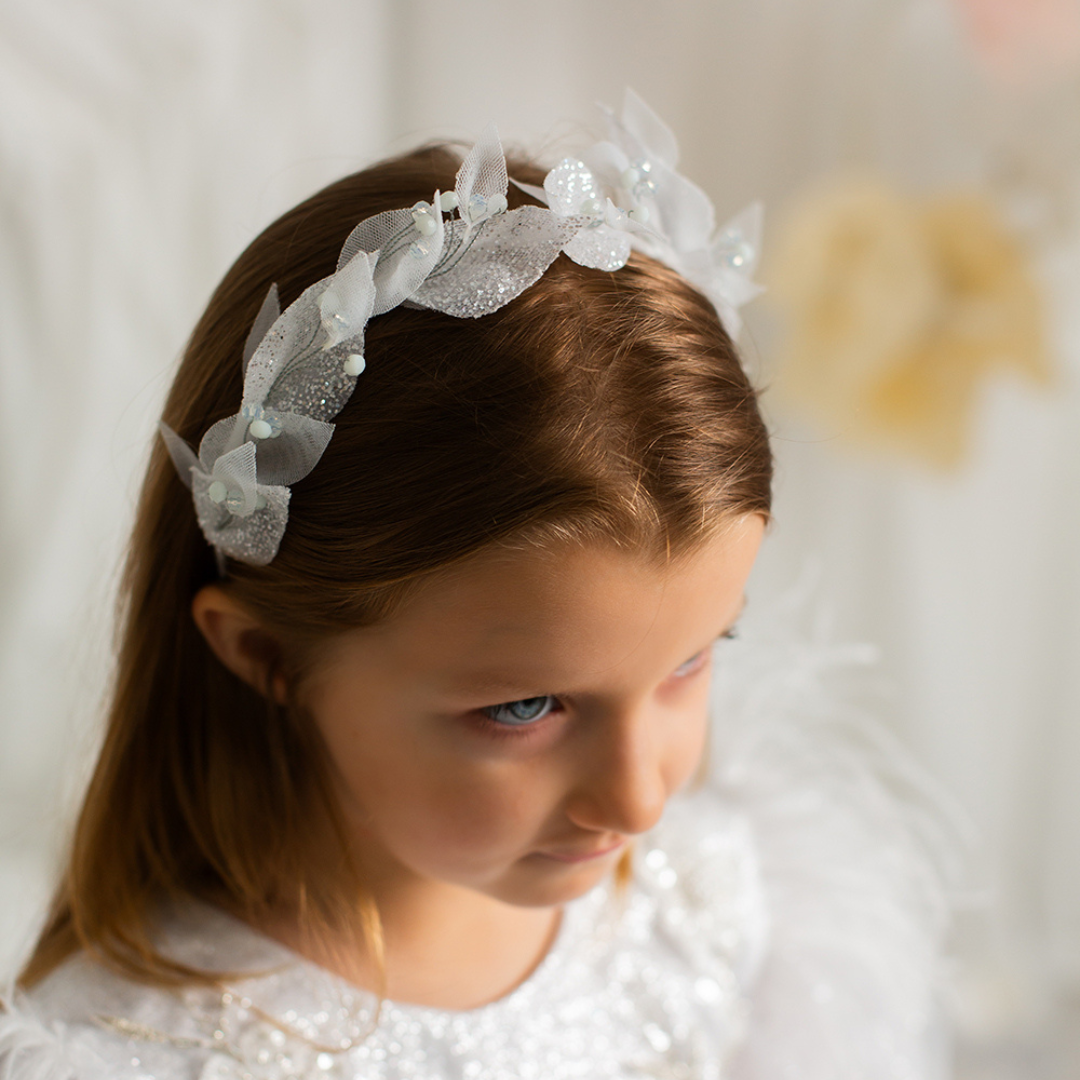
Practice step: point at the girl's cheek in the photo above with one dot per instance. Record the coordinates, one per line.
(482, 801)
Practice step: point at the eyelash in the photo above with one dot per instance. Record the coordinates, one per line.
(502, 730)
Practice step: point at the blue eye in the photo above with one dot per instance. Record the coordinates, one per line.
(691, 665)
(521, 712)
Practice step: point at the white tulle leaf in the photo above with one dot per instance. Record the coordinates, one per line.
(222, 437)
(738, 243)
(607, 162)
(483, 171)
(401, 270)
(348, 300)
(268, 315)
(236, 470)
(183, 457)
(292, 454)
(683, 212)
(498, 261)
(538, 193)
(375, 233)
(293, 335)
(600, 247)
(656, 139)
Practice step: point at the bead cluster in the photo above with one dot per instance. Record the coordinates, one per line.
(262, 423)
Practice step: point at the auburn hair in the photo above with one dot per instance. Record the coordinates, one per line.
(595, 406)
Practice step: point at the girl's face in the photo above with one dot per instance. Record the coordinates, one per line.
(523, 716)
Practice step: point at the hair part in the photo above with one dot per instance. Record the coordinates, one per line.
(596, 407)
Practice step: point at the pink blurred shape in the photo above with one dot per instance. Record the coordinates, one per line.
(1024, 40)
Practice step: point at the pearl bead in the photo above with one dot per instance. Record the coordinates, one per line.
(217, 491)
(640, 214)
(425, 223)
(496, 203)
(591, 207)
(738, 256)
(630, 178)
(260, 502)
(354, 365)
(448, 201)
(260, 429)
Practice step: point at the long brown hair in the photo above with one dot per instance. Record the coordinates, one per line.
(596, 405)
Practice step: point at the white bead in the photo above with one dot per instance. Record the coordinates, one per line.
(629, 178)
(496, 203)
(354, 365)
(217, 492)
(448, 201)
(425, 223)
(640, 214)
(477, 207)
(260, 429)
(260, 502)
(591, 207)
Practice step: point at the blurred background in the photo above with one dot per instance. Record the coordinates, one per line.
(919, 345)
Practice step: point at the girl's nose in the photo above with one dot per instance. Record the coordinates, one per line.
(621, 778)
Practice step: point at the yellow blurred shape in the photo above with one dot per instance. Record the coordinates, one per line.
(897, 310)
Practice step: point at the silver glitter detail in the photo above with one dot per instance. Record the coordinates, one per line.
(487, 267)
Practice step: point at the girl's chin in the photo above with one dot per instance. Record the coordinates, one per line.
(550, 882)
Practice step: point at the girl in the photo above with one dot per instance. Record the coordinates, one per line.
(401, 700)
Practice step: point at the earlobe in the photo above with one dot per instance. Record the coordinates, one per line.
(239, 641)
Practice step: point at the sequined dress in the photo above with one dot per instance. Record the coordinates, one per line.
(782, 924)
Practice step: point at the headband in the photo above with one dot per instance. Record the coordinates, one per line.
(464, 254)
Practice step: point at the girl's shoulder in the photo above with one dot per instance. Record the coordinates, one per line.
(85, 1021)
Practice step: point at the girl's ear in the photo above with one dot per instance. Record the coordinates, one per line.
(240, 641)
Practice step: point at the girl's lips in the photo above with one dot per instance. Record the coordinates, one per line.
(571, 856)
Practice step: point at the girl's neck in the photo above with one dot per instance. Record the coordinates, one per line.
(445, 946)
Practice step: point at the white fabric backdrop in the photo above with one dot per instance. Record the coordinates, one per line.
(142, 144)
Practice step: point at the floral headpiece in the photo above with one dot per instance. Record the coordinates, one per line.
(464, 254)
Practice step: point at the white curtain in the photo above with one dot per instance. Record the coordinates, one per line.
(142, 144)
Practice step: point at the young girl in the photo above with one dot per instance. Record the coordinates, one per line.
(409, 675)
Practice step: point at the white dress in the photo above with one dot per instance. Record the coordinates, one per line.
(782, 925)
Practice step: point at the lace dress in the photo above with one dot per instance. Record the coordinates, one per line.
(782, 924)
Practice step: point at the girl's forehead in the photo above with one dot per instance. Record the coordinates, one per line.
(575, 608)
